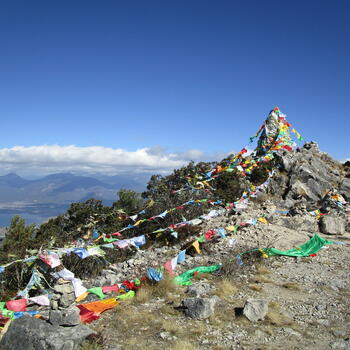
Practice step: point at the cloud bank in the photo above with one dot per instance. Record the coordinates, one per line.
(49, 159)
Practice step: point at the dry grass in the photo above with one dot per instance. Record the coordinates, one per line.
(261, 279)
(276, 318)
(203, 276)
(183, 345)
(171, 327)
(197, 329)
(190, 330)
(166, 288)
(144, 294)
(263, 270)
(167, 309)
(255, 287)
(225, 288)
(90, 346)
(291, 285)
(134, 317)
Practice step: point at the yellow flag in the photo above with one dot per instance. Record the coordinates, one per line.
(263, 220)
(195, 244)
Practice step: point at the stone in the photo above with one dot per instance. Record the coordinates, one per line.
(164, 335)
(29, 333)
(308, 173)
(67, 300)
(255, 309)
(198, 289)
(303, 223)
(67, 317)
(345, 189)
(63, 288)
(332, 225)
(199, 308)
(340, 344)
(54, 304)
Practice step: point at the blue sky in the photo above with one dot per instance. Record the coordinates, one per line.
(177, 80)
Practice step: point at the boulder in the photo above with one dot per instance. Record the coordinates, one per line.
(332, 225)
(255, 309)
(29, 333)
(67, 317)
(199, 308)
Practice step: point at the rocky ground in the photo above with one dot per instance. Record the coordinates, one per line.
(306, 301)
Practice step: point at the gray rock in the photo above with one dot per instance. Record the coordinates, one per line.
(308, 174)
(199, 308)
(101, 281)
(340, 344)
(29, 333)
(54, 304)
(165, 335)
(198, 289)
(332, 225)
(345, 189)
(255, 309)
(67, 317)
(67, 300)
(111, 278)
(63, 288)
(340, 333)
(303, 223)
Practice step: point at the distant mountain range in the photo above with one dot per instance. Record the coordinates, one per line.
(37, 200)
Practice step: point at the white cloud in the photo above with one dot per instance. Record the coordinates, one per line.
(48, 159)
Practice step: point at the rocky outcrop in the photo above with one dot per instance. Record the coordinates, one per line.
(28, 333)
(306, 173)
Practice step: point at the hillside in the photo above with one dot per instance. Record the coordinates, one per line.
(248, 253)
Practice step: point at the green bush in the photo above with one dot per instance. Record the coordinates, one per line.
(19, 237)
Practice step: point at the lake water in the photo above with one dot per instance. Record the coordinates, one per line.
(5, 219)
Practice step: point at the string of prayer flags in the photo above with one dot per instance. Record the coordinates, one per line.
(42, 300)
(209, 234)
(168, 266)
(126, 296)
(181, 257)
(50, 258)
(312, 246)
(263, 220)
(91, 311)
(97, 291)
(35, 280)
(222, 232)
(185, 278)
(155, 274)
(109, 289)
(232, 228)
(195, 245)
(81, 252)
(17, 305)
